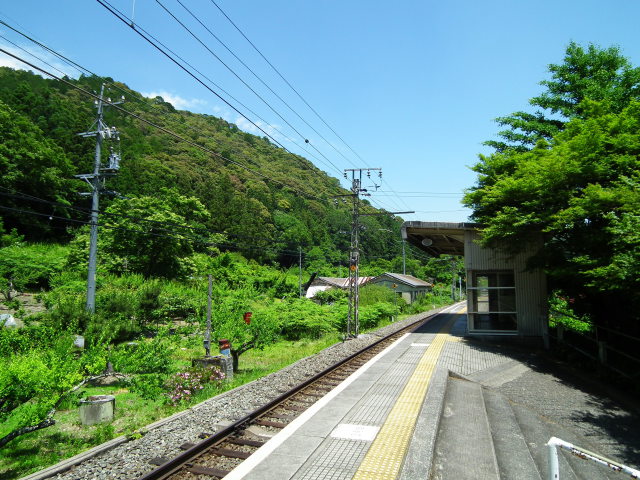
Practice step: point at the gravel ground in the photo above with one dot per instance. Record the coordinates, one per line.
(130, 460)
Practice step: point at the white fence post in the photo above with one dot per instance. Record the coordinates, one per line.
(553, 471)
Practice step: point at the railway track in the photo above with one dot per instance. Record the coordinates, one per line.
(219, 453)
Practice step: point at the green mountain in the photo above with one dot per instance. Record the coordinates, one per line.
(267, 201)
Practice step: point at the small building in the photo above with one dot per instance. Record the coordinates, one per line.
(408, 287)
(504, 297)
(320, 284)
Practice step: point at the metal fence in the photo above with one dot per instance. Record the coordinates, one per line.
(607, 347)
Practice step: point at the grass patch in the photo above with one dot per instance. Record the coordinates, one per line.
(37, 450)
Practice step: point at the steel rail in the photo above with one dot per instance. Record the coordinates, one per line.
(173, 465)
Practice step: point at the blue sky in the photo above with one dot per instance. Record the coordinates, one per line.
(411, 86)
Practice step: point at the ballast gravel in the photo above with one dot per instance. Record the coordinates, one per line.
(130, 460)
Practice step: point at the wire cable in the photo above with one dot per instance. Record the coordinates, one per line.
(262, 81)
(285, 80)
(163, 129)
(82, 69)
(162, 49)
(243, 81)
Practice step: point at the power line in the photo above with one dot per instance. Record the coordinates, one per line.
(261, 80)
(242, 80)
(162, 225)
(285, 80)
(168, 234)
(131, 25)
(162, 49)
(163, 129)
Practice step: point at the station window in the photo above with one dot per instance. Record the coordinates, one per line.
(493, 301)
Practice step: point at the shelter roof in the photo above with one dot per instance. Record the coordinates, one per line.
(437, 238)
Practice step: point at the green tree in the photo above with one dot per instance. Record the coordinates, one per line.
(228, 323)
(32, 166)
(581, 192)
(594, 73)
(153, 236)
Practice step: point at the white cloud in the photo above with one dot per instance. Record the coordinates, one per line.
(39, 58)
(193, 104)
(247, 126)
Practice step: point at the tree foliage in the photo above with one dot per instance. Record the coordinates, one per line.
(31, 165)
(593, 73)
(579, 188)
(267, 201)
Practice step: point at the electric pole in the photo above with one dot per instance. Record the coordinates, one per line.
(96, 182)
(300, 271)
(353, 320)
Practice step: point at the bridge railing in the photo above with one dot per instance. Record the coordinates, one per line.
(554, 470)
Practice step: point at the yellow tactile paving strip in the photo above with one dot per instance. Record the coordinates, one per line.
(386, 454)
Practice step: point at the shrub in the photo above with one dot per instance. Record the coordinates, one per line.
(182, 386)
(31, 266)
(371, 316)
(372, 294)
(330, 296)
(23, 340)
(150, 356)
(299, 318)
(147, 385)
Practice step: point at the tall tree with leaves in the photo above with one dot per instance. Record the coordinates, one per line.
(32, 166)
(579, 189)
(598, 74)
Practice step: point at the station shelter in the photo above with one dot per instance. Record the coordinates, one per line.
(504, 297)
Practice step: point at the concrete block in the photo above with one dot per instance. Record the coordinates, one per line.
(97, 409)
(222, 362)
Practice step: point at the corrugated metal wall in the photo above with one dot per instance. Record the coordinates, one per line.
(531, 290)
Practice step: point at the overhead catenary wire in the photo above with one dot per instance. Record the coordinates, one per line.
(286, 81)
(162, 49)
(159, 127)
(82, 69)
(147, 38)
(195, 17)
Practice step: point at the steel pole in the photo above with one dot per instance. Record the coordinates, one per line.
(93, 236)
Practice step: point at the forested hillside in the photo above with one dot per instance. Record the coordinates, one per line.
(266, 202)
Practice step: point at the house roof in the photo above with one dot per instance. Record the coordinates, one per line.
(406, 279)
(437, 238)
(338, 282)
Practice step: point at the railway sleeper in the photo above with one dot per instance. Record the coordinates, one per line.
(227, 452)
(212, 472)
(269, 423)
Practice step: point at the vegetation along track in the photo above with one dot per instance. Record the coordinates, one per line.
(217, 454)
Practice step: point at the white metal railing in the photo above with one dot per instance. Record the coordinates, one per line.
(554, 470)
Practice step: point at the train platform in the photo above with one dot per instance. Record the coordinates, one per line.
(430, 406)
